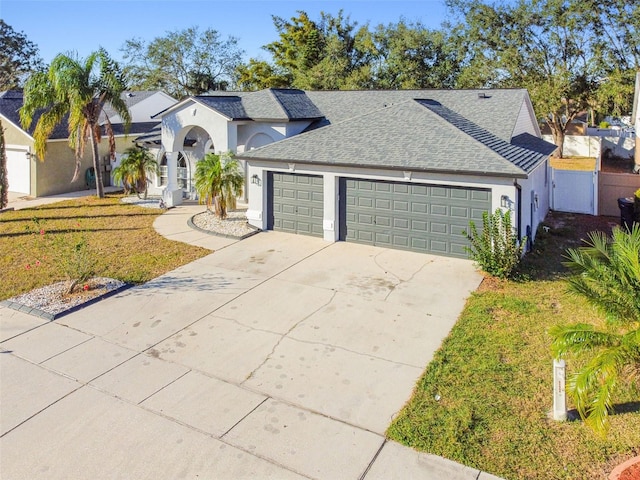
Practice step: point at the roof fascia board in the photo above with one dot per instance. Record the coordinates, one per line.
(523, 175)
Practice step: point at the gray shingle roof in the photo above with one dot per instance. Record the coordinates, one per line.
(296, 104)
(497, 111)
(10, 104)
(270, 104)
(11, 101)
(230, 105)
(403, 135)
(525, 158)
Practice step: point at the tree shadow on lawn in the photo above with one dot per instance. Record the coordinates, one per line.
(67, 231)
(559, 232)
(617, 409)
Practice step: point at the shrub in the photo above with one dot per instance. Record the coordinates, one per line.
(495, 249)
(607, 275)
(604, 125)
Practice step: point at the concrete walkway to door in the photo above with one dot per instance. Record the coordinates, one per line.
(279, 356)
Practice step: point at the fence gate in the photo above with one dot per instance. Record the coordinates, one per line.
(574, 191)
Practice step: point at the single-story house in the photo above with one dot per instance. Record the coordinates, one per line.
(32, 177)
(406, 169)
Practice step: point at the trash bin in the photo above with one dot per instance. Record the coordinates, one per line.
(626, 212)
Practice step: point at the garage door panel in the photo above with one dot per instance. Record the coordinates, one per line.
(401, 223)
(419, 207)
(383, 203)
(440, 210)
(459, 212)
(421, 217)
(481, 195)
(297, 203)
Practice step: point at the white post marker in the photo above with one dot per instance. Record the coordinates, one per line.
(559, 393)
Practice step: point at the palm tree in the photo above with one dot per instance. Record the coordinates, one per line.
(219, 180)
(77, 90)
(4, 180)
(137, 163)
(607, 276)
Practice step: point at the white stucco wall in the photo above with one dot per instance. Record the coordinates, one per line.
(275, 131)
(257, 213)
(176, 125)
(536, 197)
(145, 109)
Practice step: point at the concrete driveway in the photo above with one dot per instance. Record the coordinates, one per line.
(280, 356)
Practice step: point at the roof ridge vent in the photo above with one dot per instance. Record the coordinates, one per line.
(483, 95)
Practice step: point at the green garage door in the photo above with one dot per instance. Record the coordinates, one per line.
(296, 203)
(424, 218)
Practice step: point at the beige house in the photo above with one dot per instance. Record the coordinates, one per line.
(52, 175)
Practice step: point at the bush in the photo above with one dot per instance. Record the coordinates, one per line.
(604, 125)
(496, 249)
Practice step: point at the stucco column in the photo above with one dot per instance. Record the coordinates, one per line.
(257, 193)
(331, 205)
(172, 195)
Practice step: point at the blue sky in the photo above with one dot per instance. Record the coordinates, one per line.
(82, 26)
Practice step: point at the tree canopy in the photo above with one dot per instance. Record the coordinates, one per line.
(183, 62)
(18, 57)
(571, 55)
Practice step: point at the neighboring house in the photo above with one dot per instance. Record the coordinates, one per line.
(405, 169)
(39, 177)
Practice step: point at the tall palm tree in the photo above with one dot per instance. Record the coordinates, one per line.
(4, 176)
(77, 90)
(607, 276)
(219, 180)
(137, 163)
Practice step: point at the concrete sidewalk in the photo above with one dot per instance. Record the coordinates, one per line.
(19, 201)
(279, 356)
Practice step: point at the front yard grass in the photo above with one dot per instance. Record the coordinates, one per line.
(121, 238)
(484, 400)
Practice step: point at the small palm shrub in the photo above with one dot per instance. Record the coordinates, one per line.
(607, 275)
(495, 249)
(219, 179)
(137, 163)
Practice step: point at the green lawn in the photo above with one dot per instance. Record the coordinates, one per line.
(493, 379)
(121, 237)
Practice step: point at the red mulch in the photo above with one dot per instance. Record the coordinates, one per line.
(631, 473)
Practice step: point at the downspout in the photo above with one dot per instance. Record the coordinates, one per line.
(519, 213)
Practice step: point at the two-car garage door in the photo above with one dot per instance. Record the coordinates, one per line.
(411, 216)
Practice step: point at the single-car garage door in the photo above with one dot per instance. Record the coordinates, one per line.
(296, 203)
(18, 170)
(425, 218)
